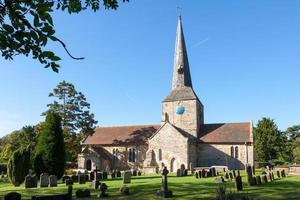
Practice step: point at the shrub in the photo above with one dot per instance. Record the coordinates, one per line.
(18, 166)
(50, 149)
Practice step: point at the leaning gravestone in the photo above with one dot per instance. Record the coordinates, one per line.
(127, 177)
(238, 183)
(12, 196)
(44, 180)
(164, 191)
(53, 181)
(81, 178)
(30, 181)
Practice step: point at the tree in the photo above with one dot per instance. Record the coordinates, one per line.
(17, 139)
(27, 26)
(19, 165)
(266, 140)
(77, 121)
(296, 150)
(50, 149)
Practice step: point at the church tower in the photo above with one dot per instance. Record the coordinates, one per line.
(181, 107)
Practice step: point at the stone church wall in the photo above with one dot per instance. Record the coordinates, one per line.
(173, 149)
(220, 154)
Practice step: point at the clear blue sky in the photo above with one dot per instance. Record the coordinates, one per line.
(244, 59)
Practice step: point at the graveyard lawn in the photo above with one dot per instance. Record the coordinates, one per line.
(145, 187)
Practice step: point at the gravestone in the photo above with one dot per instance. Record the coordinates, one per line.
(203, 173)
(185, 172)
(113, 175)
(278, 174)
(87, 177)
(178, 172)
(264, 179)
(81, 178)
(269, 177)
(104, 175)
(258, 180)
(182, 168)
(92, 176)
(238, 173)
(164, 191)
(226, 176)
(53, 181)
(95, 184)
(69, 182)
(44, 180)
(214, 172)
(83, 193)
(197, 175)
(64, 178)
(30, 181)
(12, 196)
(249, 174)
(238, 183)
(139, 173)
(127, 177)
(283, 173)
(124, 190)
(103, 188)
(200, 174)
(134, 172)
(74, 178)
(119, 174)
(230, 175)
(99, 175)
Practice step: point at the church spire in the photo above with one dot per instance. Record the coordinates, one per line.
(181, 73)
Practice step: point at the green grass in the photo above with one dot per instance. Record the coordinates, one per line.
(183, 188)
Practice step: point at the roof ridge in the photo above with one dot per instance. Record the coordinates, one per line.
(137, 125)
(228, 123)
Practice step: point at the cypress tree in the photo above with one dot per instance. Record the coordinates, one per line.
(18, 166)
(50, 149)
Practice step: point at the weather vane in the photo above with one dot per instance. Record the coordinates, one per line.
(179, 9)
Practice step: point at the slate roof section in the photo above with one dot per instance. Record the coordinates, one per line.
(184, 93)
(226, 133)
(121, 135)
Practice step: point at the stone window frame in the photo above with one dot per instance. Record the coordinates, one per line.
(132, 154)
(234, 152)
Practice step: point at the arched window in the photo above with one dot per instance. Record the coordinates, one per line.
(236, 155)
(232, 151)
(160, 155)
(131, 155)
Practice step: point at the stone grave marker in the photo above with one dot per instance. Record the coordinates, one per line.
(238, 183)
(53, 181)
(74, 178)
(69, 182)
(178, 172)
(95, 184)
(12, 196)
(44, 180)
(226, 176)
(164, 191)
(30, 181)
(124, 190)
(134, 172)
(234, 175)
(249, 174)
(230, 175)
(185, 172)
(264, 179)
(87, 177)
(83, 193)
(283, 173)
(64, 178)
(113, 175)
(127, 177)
(200, 174)
(104, 175)
(203, 173)
(278, 174)
(197, 175)
(92, 176)
(214, 172)
(119, 174)
(81, 178)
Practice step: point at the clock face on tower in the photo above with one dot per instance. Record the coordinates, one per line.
(180, 110)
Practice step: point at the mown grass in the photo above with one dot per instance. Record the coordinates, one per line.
(145, 187)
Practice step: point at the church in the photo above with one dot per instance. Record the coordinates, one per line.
(182, 139)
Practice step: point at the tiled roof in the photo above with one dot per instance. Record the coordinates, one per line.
(120, 135)
(183, 93)
(226, 133)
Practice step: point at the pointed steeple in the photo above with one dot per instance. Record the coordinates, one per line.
(181, 73)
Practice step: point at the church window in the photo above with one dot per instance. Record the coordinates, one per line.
(236, 152)
(232, 151)
(131, 155)
(160, 155)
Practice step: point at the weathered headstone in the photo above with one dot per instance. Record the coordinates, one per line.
(12, 196)
(238, 173)
(113, 175)
(272, 174)
(104, 175)
(30, 181)
(196, 175)
(74, 178)
(230, 175)
(258, 180)
(95, 184)
(185, 172)
(226, 176)
(81, 178)
(164, 191)
(103, 188)
(269, 177)
(249, 174)
(119, 174)
(127, 177)
(283, 173)
(234, 175)
(87, 177)
(200, 174)
(238, 183)
(69, 182)
(44, 180)
(83, 193)
(203, 173)
(134, 172)
(92, 176)
(139, 173)
(53, 181)
(64, 178)
(214, 172)
(178, 172)
(264, 179)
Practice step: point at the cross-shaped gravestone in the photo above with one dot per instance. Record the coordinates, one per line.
(164, 192)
